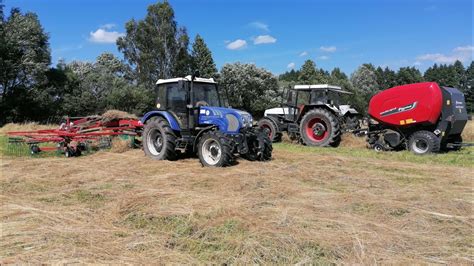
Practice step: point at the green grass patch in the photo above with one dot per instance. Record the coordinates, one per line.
(224, 242)
(14, 147)
(464, 157)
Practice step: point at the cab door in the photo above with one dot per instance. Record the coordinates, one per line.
(177, 98)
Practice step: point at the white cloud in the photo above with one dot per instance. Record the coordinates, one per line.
(467, 48)
(291, 65)
(237, 44)
(329, 49)
(323, 57)
(304, 53)
(417, 63)
(264, 39)
(103, 35)
(461, 53)
(260, 26)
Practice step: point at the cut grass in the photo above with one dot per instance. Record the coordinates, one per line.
(464, 157)
(301, 207)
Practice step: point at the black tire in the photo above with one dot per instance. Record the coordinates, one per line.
(159, 140)
(336, 142)
(215, 149)
(274, 134)
(325, 123)
(69, 152)
(260, 146)
(378, 146)
(424, 142)
(35, 149)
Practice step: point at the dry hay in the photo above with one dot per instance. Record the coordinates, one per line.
(120, 145)
(111, 115)
(468, 133)
(29, 126)
(350, 140)
(301, 207)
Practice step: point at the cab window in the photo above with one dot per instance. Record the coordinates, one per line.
(292, 98)
(303, 98)
(176, 98)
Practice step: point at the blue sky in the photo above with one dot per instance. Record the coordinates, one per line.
(277, 35)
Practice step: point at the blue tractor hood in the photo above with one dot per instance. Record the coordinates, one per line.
(228, 120)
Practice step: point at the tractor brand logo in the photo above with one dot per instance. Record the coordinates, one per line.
(397, 110)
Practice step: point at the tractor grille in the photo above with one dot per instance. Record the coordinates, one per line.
(233, 122)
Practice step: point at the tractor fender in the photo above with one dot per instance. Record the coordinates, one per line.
(166, 115)
(202, 131)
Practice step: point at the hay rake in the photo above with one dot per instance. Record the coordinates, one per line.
(75, 134)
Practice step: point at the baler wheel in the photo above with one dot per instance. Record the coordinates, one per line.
(319, 127)
(159, 141)
(214, 149)
(424, 142)
(271, 128)
(378, 147)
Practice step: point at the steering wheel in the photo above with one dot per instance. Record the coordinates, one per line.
(201, 103)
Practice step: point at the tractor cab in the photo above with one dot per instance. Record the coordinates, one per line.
(302, 97)
(190, 116)
(312, 114)
(182, 98)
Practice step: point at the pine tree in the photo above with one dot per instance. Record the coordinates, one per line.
(182, 67)
(202, 58)
(469, 88)
(408, 75)
(308, 72)
(459, 78)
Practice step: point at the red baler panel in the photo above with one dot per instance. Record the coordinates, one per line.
(407, 104)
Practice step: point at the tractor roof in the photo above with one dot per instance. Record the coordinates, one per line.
(187, 78)
(320, 87)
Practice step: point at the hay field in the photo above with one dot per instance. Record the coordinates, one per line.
(307, 205)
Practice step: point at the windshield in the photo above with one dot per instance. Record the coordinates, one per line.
(205, 94)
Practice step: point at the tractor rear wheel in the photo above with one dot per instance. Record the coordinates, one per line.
(214, 149)
(260, 146)
(424, 142)
(271, 129)
(319, 127)
(159, 141)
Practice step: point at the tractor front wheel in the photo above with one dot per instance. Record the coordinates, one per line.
(214, 149)
(159, 141)
(271, 129)
(319, 127)
(424, 142)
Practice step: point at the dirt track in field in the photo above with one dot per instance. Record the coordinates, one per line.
(300, 207)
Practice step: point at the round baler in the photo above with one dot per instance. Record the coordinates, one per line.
(421, 117)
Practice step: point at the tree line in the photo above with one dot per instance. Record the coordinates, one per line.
(158, 47)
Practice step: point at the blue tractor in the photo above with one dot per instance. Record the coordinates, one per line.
(190, 118)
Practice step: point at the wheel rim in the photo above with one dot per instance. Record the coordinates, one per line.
(155, 142)
(268, 130)
(420, 146)
(317, 130)
(211, 151)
